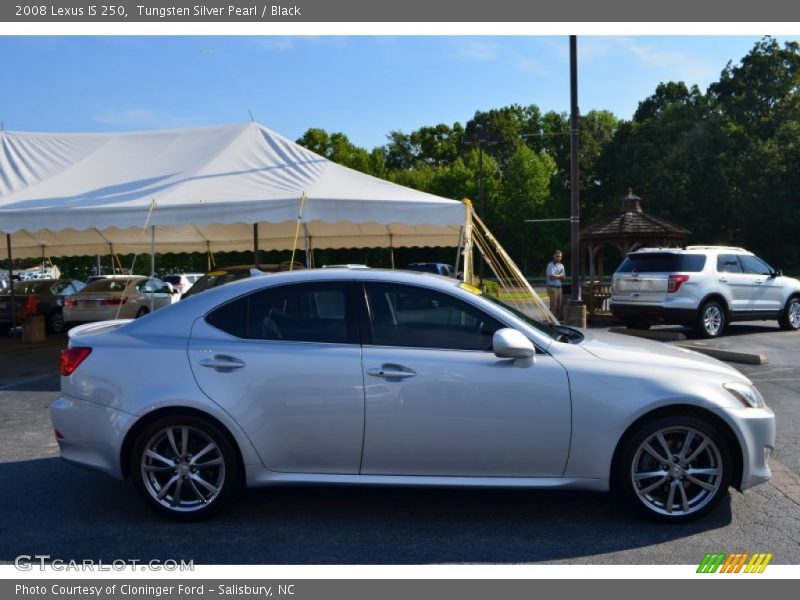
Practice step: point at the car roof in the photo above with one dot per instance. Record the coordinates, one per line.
(690, 250)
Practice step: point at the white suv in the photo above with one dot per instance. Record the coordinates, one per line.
(705, 287)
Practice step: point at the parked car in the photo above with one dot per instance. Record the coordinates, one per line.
(705, 287)
(224, 275)
(437, 268)
(117, 298)
(182, 282)
(49, 294)
(383, 377)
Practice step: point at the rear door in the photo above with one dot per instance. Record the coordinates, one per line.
(737, 284)
(285, 362)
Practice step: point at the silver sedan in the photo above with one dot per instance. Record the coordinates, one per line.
(363, 376)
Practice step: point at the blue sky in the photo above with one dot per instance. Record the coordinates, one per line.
(363, 86)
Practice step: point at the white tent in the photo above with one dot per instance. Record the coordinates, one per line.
(69, 194)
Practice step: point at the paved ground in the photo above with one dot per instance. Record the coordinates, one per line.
(50, 507)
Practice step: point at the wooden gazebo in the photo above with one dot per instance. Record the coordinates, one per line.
(626, 231)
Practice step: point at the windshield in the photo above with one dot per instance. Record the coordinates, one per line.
(106, 285)
(538, 325)
(216, 278)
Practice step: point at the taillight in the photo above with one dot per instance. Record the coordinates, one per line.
(675, 282)
(71, 358)
(112, 301)
(70, 302)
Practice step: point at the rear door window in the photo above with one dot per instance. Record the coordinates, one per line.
(728, 263)
(314, 312)
(662, 262)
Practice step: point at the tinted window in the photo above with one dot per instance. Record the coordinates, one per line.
(173, 279)
(662, 262)
(31, 287)
(301, 313)
(756, 266)
(416, 317)
(728, 263)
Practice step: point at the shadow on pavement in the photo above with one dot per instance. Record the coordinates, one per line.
(70, 513)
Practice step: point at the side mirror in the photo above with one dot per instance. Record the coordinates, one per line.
(510, 343)
(777, 273)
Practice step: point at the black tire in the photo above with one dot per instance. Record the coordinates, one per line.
(220, 468)
(711, 319)
(790, 318)
(649, 495)
(633, 324)
(142, 312)
(55, 322)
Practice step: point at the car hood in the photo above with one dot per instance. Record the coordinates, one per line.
(647, 353)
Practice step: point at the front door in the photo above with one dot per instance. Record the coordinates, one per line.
(440, 403)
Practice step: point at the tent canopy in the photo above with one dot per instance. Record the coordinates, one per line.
(70, 194)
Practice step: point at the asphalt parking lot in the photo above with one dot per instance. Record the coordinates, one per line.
(51, 507)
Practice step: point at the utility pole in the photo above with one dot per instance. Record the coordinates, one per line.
(575, 313)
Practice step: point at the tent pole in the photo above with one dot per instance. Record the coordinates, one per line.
(152, 264)
(305, 235)
(42, 261)
(255, 245)
(391, 250)
(458, 249)
(11, 283)
(469, 274)
(111, 255)
(99, 266)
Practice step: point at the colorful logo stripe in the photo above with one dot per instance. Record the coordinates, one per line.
(734, 563)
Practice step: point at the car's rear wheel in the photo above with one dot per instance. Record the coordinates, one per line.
(711, 321)
(790, 319)
(55, 322)
(674, 469)
(185, 467)
(142, 312)
(634, 324)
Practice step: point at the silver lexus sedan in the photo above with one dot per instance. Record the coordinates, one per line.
(363, 376)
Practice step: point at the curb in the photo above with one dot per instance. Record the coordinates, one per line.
(655, 334)
(748, 358)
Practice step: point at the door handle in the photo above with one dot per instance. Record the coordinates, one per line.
(222, 362)
(723, 280)
(390, 373)
(758, 281)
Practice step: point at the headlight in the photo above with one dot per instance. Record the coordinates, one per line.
(746, 394)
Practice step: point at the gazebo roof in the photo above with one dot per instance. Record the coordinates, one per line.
(632, 222)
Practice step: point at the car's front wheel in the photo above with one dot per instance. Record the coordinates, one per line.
(142, 312)
(674, 468)
(790, 319)
(711, 321)
(185, 467)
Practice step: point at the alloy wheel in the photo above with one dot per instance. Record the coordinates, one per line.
(794, 314)
(712, 319)
(677, 471)
(183, 468)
